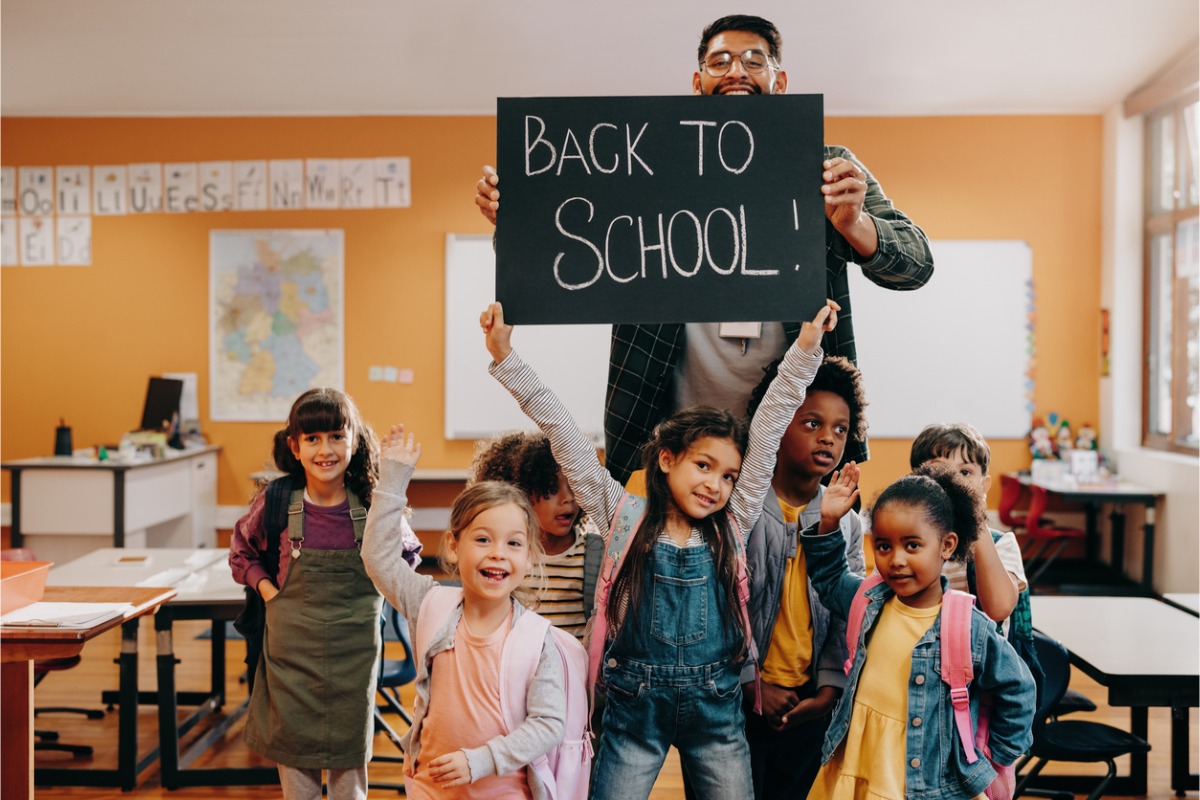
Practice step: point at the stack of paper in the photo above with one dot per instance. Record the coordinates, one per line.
(64, 615)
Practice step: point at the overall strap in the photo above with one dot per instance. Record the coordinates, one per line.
(295, 527)
(854, 621)
(358, 514)
(957, 669)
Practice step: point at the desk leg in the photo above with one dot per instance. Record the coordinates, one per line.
(1139, 725)
(217, 654)
(15, 538)
(1117, 558)
(16, 713)
(1092, 540)
(127, 743)
(1148, 550)
(168, 730)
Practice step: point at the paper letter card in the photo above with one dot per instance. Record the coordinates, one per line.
(35, 191)
(181, 190)
(8, 191)
(216, 186)
(74, 241)
(145, 188)
(108, 190)
(660, 209)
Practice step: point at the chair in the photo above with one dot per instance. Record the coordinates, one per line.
(1045, 540)
(1080, 741)
(394, 673)
(48, 740)
(1011, 491)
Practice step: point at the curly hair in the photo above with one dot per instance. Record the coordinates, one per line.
(836, 374)
(322, 410)
(522, 459)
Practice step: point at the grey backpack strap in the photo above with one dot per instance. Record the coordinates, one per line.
(295, 525)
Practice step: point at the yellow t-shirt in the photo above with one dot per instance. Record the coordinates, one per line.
(790, 653)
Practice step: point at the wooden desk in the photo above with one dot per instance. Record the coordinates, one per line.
(20, 646)
(1119, 494)
(65, 507)
(205, 590)
(1146, 653)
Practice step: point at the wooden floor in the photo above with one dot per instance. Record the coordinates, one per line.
(82, 686)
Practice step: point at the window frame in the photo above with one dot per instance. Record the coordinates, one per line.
(1156, 224)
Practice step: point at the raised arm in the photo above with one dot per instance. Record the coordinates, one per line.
(774, 414)
(383, 547)
(825, 546)
(598, 494)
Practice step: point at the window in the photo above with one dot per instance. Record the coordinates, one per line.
(1171, 380)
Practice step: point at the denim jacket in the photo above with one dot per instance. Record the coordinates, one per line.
(935, 766)
(772, 541)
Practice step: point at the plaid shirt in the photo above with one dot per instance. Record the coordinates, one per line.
(642, 357)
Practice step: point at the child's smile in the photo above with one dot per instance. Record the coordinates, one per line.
(492, 553)
(702, 478)
(325, 455)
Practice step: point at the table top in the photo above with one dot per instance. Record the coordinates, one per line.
(113, 463)
(1117, 639)
(1112, 489)
(144, 600)
(199, 576)
(1191, 601)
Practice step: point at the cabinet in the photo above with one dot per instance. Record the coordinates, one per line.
(65, 507)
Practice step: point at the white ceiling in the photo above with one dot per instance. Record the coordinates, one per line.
(868, 57)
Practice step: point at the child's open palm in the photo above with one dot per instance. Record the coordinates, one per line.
(811, 332)
(395, 446)
(839, 497)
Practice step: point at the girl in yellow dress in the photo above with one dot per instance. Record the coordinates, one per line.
(893, 732)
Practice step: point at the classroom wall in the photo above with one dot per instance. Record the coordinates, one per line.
(80, 342)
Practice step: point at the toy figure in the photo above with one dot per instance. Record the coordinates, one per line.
(1040, 443)
(1064, 441)
(1086, 438)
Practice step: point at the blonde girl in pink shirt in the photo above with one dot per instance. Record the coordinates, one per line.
(457, 746)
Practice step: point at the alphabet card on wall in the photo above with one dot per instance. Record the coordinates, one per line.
(660, 209)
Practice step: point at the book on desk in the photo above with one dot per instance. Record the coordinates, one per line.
(63, 615)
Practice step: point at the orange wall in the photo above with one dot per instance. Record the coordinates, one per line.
(79, 342)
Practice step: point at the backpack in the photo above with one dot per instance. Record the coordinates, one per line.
(626, 520)
(1020, 628)
(957, 673)
(566, 768)
(283, 508)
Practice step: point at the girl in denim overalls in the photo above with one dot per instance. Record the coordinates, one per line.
(674, 645)
(893, 731)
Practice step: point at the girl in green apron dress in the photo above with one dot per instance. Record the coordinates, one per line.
(314, 685)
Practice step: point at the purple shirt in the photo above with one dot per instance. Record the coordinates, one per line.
(325, 528)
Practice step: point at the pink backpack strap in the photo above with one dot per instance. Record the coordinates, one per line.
(957, 669)
(854, 622)
(518, 662)
(436, 607)
(621, 530)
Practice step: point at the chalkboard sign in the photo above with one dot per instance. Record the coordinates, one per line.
(660, 209)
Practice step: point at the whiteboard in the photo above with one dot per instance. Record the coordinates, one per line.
(571, 359)
(959, 349)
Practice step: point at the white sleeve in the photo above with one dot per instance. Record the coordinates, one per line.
(1010, 556)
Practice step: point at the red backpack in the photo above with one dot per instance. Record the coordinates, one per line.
(957, 672)
(566, 768)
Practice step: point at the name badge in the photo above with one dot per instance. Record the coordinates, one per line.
(740, 330)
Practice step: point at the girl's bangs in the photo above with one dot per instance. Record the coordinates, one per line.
(321, 413)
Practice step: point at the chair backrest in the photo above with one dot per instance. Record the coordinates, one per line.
(1037, 506)
(396, 672)
(1011, 490)
(17, 554)
(1056, 670)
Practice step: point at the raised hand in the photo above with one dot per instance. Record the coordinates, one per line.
(811, 332)
(839, 497)
(487, 196)
(395, 446)
(498, 336)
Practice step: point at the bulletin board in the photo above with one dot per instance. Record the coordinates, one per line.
(571, 359)
(959, 349)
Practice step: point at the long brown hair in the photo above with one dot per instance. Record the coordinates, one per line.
(676, 435)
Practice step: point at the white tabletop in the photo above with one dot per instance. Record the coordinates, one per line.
(1122, 636)
(1191, 601)
(195, 573)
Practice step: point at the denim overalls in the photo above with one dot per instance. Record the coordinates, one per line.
(671, 680)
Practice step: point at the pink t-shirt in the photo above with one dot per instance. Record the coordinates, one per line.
(464, 712)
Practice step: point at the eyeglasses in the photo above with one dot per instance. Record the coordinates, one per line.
(753, 61)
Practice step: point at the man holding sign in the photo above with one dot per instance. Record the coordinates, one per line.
(657, 368)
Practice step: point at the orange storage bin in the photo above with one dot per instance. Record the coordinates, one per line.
(22, 583)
